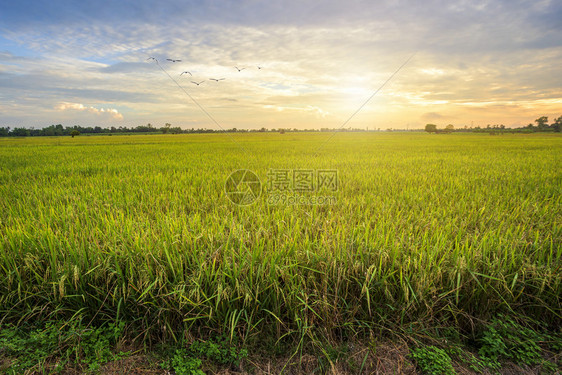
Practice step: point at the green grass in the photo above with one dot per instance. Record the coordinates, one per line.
(48, 349)
(433, 361)
(427, 230)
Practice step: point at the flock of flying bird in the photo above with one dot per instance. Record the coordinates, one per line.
(198, 83)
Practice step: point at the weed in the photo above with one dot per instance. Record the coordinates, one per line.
(221, 352)
(28, 350)
(504, 339)
(183, 363)
(432, 360)
(467, 358)
(188, 361)
(97, 345)
(56, 345)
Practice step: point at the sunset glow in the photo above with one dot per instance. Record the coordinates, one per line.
(475, 63)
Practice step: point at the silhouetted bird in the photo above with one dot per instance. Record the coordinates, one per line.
(172, 60)
(197, 83)
(214, 79)
(151, 58)
(185, 73)
(239, 69)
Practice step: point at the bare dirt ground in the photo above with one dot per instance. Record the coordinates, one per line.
(386, 358)
(390, 358)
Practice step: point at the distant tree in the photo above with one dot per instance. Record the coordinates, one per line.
(166, 128)
(20, 132)
(74, 133)
(143, 129)
(48, 131)
(59, 130)
(431, 128)
(557, 125)
(449, 128)
(4, 132)
(542, 122)
(281, 131)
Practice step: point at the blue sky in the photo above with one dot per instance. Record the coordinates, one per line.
(481, 62)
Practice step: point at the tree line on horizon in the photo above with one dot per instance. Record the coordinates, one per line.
(59, 130)
(541, 126)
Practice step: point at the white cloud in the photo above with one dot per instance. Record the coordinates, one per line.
(105, 112)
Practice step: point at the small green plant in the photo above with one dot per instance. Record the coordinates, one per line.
(219, 352)
(183, 363)
(28, 350)
(463, 356)
(505, 339)
(55, 345)
(554, 342)
(97, 345)
(188, 361)
(432, 360)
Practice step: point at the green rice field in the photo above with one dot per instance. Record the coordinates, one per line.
(423, 231)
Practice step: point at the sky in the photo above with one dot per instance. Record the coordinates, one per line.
(469, 63)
